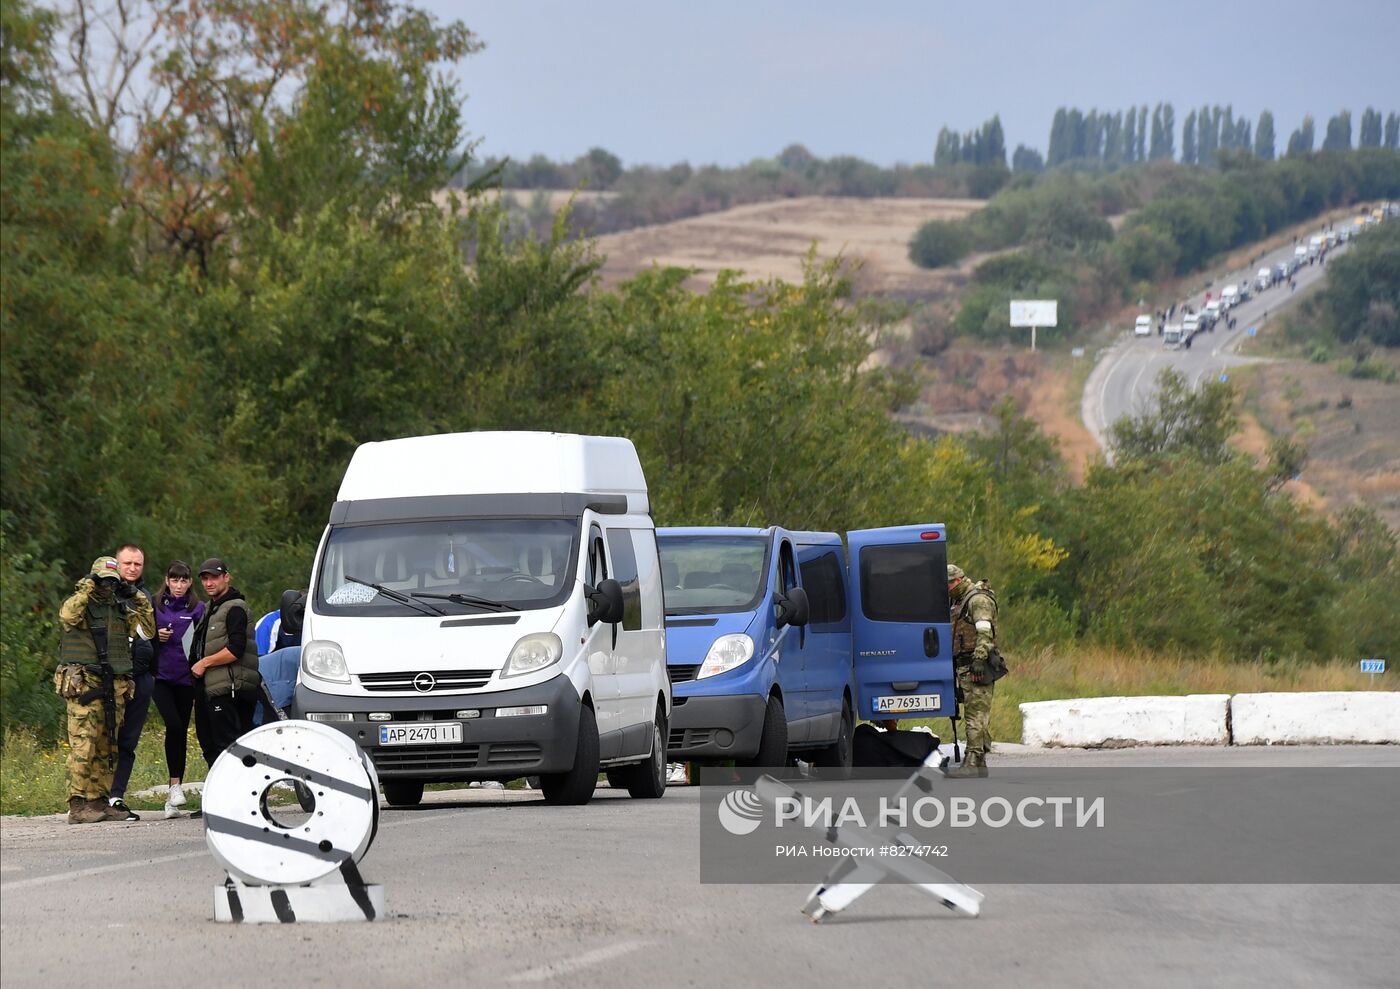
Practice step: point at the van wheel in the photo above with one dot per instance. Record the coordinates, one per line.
(647, 780)
(838, 754)
(403, 793)
(772, 746)
(575, 787)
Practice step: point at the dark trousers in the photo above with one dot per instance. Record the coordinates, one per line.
(175, 702)
(226, 718)
(133, 721)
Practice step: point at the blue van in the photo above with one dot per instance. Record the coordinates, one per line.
(775, 647)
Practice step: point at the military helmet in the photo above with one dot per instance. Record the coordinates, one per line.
(955, 573)
(105, 566)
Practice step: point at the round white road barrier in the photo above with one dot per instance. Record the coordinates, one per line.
(332, 822)
(1316, 718)
(1090, 722)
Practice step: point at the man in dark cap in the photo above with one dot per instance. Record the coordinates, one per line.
(225, 660)
(97, 625)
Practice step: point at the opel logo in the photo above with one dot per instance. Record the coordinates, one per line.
(424, 682)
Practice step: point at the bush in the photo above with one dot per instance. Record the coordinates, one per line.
(940, 242)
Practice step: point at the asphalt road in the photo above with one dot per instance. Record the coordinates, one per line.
(492, 888)
(1124, 381)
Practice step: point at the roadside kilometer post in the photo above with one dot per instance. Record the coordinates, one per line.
(1373, 666)
(856, 874)
(1034, 313)
(298, 861)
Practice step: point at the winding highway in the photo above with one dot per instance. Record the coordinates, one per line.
(1124, 381)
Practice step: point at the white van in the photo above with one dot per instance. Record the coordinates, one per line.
(1143, 326)
(1229, 297)
(487, 606)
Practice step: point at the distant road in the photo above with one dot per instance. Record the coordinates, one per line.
(1124, 382)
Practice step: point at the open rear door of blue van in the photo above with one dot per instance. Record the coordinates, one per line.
(900, 623)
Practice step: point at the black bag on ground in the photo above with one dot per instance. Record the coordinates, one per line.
(874, 749)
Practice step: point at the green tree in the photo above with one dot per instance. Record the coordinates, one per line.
(1370, 136)
(1188, 140)
(1264, 137)
(1338, 133)
(1199, 422)
(1300, 142)
(1392, 130)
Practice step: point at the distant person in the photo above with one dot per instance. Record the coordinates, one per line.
(178, 611)
(279, 643)
(97, 625)
(227, 667)
(131, 562)
(977, 664)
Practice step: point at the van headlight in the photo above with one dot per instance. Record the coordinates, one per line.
(727, 652)
(533, 653)
(322, 659)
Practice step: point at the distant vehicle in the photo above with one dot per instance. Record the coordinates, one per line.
(1300, 257)
(1316, 245)
(1244, 292)
(1343, 235)
(1229, 297)
(1264, 279)
(1143, 326)
(1190, 326)
(1212, 312)
(1281, 272)
(1172, 336)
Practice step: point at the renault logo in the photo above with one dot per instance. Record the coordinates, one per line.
(424, 682)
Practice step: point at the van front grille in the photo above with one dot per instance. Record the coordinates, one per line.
(682, 672)
(425, 681)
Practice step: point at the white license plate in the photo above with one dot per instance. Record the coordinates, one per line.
(901, 705)
(427, 733)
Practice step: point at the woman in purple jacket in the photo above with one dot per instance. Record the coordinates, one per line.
(177, 612)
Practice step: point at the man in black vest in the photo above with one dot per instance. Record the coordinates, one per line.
(96, 627)
(227, 666)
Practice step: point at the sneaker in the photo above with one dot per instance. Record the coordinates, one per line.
(119, 811)
(676, 773)
(176, 797)
(171, 810)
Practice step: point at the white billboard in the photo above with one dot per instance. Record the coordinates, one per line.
(1034, 312)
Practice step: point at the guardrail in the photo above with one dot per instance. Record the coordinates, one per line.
(1304, 718)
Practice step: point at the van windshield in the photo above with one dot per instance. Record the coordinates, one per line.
(521, 564)
(710, 575)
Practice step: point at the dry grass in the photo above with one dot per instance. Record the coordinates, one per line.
(770, 240)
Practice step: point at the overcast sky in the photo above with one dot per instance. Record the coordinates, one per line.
(726, 81)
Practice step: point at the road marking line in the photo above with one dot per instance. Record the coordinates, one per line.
(568, 966)
(98, 870)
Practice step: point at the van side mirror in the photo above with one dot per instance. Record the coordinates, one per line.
(793, 607)
(605, 602)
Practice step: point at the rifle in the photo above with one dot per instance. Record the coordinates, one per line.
(107, 691)
(957, 706)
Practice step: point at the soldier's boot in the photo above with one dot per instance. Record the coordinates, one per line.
(84, 811)
(973, 767)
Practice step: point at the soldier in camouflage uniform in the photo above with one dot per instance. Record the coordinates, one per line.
(95, 624)
(974, 609)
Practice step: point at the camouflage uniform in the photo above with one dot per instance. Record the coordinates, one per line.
(79, 681)
(974, 635)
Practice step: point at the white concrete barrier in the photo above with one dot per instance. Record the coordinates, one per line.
(1093, 722)
(1317, 718)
